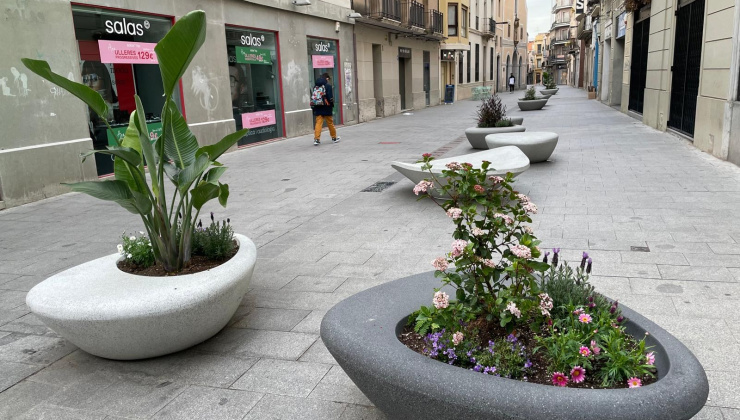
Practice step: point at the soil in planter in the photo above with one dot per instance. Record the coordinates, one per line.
(196, 264)
(537, 373)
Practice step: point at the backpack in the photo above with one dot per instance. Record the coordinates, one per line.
(318, 96)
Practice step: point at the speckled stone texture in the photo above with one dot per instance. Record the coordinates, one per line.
(477, 136)
(117, 315)
(537, 145)
(503, 160)
(361, 333)
(532, 104)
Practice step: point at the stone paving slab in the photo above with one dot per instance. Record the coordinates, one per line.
(612, 184)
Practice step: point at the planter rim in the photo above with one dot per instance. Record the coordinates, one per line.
(59, 296)
(360, 332)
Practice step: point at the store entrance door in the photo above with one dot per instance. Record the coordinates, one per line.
(638, 69)
(426, 81)
(686, 66)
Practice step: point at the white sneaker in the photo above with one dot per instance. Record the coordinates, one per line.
(336, 139)
(316, 142)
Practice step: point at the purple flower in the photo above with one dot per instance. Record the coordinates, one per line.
(588, 267)
(527, 364)
(620, 318)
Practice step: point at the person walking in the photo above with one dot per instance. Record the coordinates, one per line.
(322, 104)
(512, 81)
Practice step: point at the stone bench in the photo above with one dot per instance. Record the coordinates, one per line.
(536, 145)
(481, 92)
(503, 160)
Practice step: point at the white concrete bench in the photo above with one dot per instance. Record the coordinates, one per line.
(537, 145)
(503, 160)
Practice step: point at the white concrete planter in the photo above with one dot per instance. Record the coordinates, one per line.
(549, 91)
(117, 315)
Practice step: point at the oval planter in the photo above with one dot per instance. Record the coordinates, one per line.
(536, 145)
(549, 91)
(532, 104)
(361, 333)
(516, 120)
(477, 136)
(117, 315)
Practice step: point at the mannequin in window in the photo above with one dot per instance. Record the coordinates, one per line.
(96, 76)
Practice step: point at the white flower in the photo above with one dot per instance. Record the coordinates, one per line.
(128, 256)
(120, 249)
(141, 233)
(133, 238)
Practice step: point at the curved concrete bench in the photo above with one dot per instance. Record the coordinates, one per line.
(477, 135)
(503, 160)
(537, 145)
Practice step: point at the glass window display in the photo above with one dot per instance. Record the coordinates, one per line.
(254, 83)
(116, 56)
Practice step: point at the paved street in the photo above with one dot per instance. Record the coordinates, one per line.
(612, 184)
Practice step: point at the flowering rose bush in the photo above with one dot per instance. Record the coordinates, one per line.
(499, 285)
(492, 253)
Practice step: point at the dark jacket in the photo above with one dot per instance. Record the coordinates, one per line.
(325, 110)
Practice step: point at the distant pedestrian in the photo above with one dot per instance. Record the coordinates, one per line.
(322, 104)
(512, 81)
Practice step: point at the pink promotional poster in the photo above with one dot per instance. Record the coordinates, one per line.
(322, 61)
(258, 119)
(127, 52)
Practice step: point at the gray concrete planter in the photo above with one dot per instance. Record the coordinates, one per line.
(477, 136)
(361, 333)
(117, 315)
(516, 120)
(549, 91)
(532, 104)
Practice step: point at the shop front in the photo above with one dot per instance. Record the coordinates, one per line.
(322, 58)
(117, 60)
(254, 75)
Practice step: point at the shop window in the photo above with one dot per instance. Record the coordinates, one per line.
(117, 60)
(254, 84)
(490, 70)
(452, 19)
(460, 69)
(469, 56)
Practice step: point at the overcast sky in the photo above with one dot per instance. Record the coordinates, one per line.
(539, 12)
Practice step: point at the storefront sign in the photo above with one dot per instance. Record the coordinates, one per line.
(259, 119)
(322, 61)
(621, 25)
(116, 134)
(404, 52)
(124, 27)
(251, 40)
(247, 55)
(579, 6)
(126, 52)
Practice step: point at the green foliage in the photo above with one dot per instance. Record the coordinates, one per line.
(623, 358)
(175, 154)
(216, 242)
(504, 123)
(491, 111)
(529, 94)
(137, 250)
(548, 81)
(570, 288)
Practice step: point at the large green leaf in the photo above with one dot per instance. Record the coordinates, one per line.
(125, 172)
(176, 50)
(214, 174)
(216, 150)
(89, 96)
(223, 194)
(124, 153)
(116, 190)
(188, 175)
(204, 193)
(180, 143)
(146, 145)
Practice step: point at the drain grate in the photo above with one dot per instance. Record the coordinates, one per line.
(379, 186)
(639, 249)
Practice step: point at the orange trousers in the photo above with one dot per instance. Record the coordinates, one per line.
(320, 124)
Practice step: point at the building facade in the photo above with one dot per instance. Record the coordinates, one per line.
(398, 55)
(539, 57)
(562, 61)
(255, 70)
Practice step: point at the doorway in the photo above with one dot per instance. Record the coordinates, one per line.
(402, 81)
(638, 69)
(686, 66)
(427, 78)
(378, 79)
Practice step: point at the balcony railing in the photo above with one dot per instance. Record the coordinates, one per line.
(388, 9)
(412, 14)
(436, 20)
